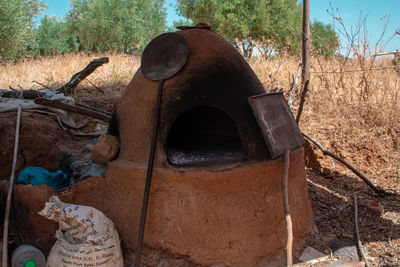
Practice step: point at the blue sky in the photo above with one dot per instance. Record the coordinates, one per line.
(349, 11)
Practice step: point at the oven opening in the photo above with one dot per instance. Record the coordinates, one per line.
(203, 136)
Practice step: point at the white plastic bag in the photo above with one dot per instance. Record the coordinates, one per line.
(86, 237)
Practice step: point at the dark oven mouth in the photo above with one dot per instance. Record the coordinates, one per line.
(203, 136)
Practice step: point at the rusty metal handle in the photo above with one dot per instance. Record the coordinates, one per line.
(146, 193)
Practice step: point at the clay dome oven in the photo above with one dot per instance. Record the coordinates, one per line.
(216, 189)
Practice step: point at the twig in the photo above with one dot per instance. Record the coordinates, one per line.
(302, 100)
(10, 189)
(379, 191)
(294, 86)
(360, 248)
(289, 243)
(94, 109)
(101, 91)
(45, 86)
(71, 108)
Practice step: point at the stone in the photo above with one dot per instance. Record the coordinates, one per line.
(105, 150)
(375, 206)
(310, 253)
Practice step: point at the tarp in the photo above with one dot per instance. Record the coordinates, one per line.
(78, 124)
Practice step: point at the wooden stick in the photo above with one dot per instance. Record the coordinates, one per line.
(81, 75)
(289, 243)
(10, 189)
(305, 52)
(305, 49)
(71, 108)
(379, 191)
(360, 248)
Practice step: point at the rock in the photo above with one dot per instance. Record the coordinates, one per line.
(310, 253)
(375, 206)
(311, 157)
(106, 149)
(326, 171)
(345, 250)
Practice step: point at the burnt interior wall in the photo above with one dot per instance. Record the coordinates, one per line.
(203, 135)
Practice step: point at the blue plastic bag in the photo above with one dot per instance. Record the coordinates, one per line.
(40, 176)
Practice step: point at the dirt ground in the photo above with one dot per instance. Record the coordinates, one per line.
(331, 186)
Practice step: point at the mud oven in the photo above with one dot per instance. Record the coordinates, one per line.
(216, 194)
(216, 191)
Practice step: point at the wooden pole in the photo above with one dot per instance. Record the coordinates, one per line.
(10, 189)
(305, 75)
(289, 240)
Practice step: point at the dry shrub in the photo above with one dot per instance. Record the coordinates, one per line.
(58, 70)
(352, 111)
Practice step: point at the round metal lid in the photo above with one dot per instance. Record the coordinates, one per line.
(164, 56)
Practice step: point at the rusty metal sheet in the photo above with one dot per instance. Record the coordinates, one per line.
(276, 122)
(164, 56)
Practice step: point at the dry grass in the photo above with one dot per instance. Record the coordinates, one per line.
(58, 70)
(353, 114)
(360, 124)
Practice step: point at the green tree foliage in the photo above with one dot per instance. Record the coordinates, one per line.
(16, 27)
(53, 37)
(269, 25)
(115, 25)
(325, 41)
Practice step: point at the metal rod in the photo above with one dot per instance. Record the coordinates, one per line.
(360, 248)
(138, 253)
(10, 189)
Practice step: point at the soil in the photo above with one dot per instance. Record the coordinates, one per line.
(43, 142)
